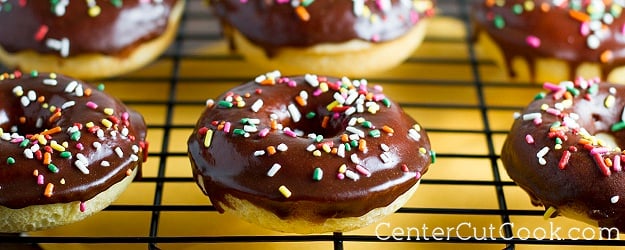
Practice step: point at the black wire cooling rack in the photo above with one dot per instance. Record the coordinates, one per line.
(464, 94)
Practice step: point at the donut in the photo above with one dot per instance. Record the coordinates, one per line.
(345, 37)
(307, 153)
(67, 150)
(86, 39)
(565, 151)
(542, 40)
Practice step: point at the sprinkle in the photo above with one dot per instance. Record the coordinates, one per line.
(82, 166)
(53, 168)
(529, 139)
(531, 116)
(40, 179)
(605, 170)
(317, 174)
(295, 114)
(549, 212)
(271, 150)
(317, 153)
(533, 41)
(259, 152)
(82, 207)
(354, 158)
(352, 175)
(564, 160)
(609, 101)
(257, 105)
(302, 13)
(105, 164)
(273, 170)
(208, 139)
(71, 86)
(614, 199)
(282, 147)
(616, 164)
(355, 130)
(414, 134)
(285, 191)
(49, 189)
(10, 160)
(119, 152)
(363, 170)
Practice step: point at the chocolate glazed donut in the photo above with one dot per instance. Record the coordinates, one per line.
(62, 141)
(307, 148)
(564, 149)
(574, 32)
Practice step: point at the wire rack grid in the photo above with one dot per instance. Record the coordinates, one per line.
(466, 201)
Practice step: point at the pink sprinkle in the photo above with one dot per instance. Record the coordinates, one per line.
(414, 16)
(363, 170)
(533, 41)
(290, 133)
(125, 116)
(616, 163)
(292, 83)
(17, 140)
(553, 111)
(40, 179)
(601, 150)
(336, 115)
(91, 105)
(375, 38)
(83, 207)
(418, 176)
(362, 87)
(79, 146)
(227, 126)
(378, 97)
(282, 1)
(584, 29)
(340, 176)
(317, 92)
(378, 87)
(263, 132)
(558, 94)
(552, 87)
(529, 139)
(538, 121)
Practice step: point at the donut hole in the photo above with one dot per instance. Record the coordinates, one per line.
(28, 120)
(608, 139)
(331, 128)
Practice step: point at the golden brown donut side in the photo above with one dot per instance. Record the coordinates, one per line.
(63, 140)
(557, 151)
(572, 32)
(322, 172)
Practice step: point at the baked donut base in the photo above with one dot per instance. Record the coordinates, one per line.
(353, 58)
(260, 216)
(94, 65)
(39, 217)
(547, 69)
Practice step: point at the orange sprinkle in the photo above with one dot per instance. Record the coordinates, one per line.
(41, 99)
(324, 122)
(220, 127)
(344, 138)
(54, 130)
(489, 3)
(49, 189)
(545, 7)
(87, 92)
(47, 158)
(274, 124)
(369, 96)
(584, 142)
(579, 16)
(302, 13)
(568, 95)
(334, 151)
(608, 162)
(22, 119)
(129, 172)
(606, 56)
(271, 150)
(35, 172)
(388, 129)
(300, 101)
(362, 145)
(268, 81)
(55, 117)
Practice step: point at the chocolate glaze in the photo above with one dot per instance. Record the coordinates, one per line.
(115, 31)
(559, 34)
(582, 185)
(272, 25)
(18, 185)
(229, 166)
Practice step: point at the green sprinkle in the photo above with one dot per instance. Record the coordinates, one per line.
(305, 3)
(573, 90)
(10, 160)
(367, 124)
(374, 133)
(53, 168)
(311, 115)
(24, 143)
(317, 174)
(517, 9)
(433, 156)
(386, 102)
(354, 143)
(34, 73)
(499, 22)
(540, 95)
(101, 87)
(238, 131)
(75, 136)
(617, 126)
(556, 124)
(244, 120)
(348, 147)
(616, 10)
(225, 104)
(318, 138)
(593, 89)
(558, 140)
(117, 3)
(7, 7)
(65, 154)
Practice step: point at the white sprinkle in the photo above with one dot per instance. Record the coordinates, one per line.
(18, 90)
(303, 94)
(250, 128)
(273, 170)
(24, 100)
(100, 133)
(28, 153)
(351, 97)
(531, 116)
(259, 152)
(350, 111)
(385, 158)
(360, 108)
(134, 157)
(105, 164)
(623, 115)
(81, 166)
(39, 122)
(274, 74)
(258, 104)
(260, 78)
(253, 121)
(135, 149)
(311, 148)
(119, 152)
(612, 90)
(79, 90)
(82, 158)
(593, 42)
(358, 7)
(125, 131)
(384, 147)
(295, 114)
(312, 80)
(355, 130)
(209, 102)
(341, 150)
(542, 152)
(614, 199)
(282, 147)
(64, 47)
(352, 175)
(542, 161)
(54, 44)
(414, 134)
(71, 86)
(32, 95)
(354, 158)
(50, 82)
(68, 104)
(354, 137)
(352, 121)
(339, 98)
(35, 148)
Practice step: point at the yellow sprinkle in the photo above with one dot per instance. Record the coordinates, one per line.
(53, 75)
(360, 120)
(326, 148)
(1, 131)
(342, 168)
(529, 5)
(557, 146)
(317, 153)
(89, 125)
(609, 101)
(423, 150)
(94, 11)
(108, 111)
(285, 191)
(332, 105)
(107, 123)
(324, 87)
(208, 139)
(65, 144)
(549, 212)
(62, 181)
(54, 145)
(240, 104)
(417, 127)
(544, 107)
(42, 140)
